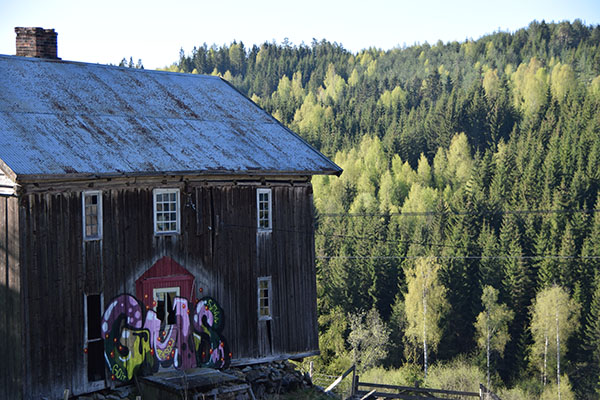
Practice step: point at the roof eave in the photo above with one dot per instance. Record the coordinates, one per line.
(337, 169)
(6, 170)
(31, 178)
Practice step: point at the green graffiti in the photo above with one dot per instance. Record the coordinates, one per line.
(134, 347)
(209, 345)
(119, 373)
(127, 351)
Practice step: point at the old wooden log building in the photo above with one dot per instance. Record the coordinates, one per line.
(148, 220)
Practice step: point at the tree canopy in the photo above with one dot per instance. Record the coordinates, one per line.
(482, 155)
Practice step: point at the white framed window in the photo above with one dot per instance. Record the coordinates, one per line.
(264, 210)
(264, 298)
(92, 215)
(164, 301)
(166, 211)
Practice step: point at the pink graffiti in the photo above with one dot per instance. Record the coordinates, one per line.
(172, 345)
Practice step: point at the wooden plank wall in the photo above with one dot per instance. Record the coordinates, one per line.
(218, 245)
(292, 262)
(53, 292)
(12, 367)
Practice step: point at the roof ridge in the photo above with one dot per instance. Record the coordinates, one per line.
(100, 65)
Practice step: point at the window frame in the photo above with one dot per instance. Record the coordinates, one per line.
(165, 291)
(268, 192)
(177, 230)
(269, 297)
(84, 196)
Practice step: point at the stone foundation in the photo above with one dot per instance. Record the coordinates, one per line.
(265, 380)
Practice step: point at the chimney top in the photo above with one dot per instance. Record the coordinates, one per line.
(36, 42)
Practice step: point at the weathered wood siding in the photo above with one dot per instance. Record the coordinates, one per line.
(218, 244)
(11, 339)
(51, 256)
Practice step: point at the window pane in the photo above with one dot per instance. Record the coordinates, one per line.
(91, 199)
(91, 218)
(166, 214)
(264, 298)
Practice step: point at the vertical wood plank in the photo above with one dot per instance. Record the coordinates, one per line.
(15, 355)
(4, 367)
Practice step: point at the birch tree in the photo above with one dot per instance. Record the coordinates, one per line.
(369, 338)
(554, 319)
(492, 325)
(425, 305)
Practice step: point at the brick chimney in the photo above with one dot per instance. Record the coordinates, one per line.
(36, 42)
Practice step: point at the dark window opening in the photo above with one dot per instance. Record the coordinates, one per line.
(165, 306)
(96, 361)
(95, 344)
(94, 314)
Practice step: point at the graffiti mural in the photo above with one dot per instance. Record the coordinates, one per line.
(210, 348)
(139, 343)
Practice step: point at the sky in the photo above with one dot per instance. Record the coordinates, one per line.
(155, 30)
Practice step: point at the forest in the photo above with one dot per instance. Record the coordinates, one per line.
(465, 228)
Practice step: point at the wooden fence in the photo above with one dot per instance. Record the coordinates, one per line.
(365, 390)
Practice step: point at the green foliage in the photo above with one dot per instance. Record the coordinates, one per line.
(514, 394)
(406, 375)
(310, 393)
(447, 151)
(554, 319)
(459, 375)
(332, 342)
(492, 325)
(551, 391)
(368, 339)
(492, 322)
(592, 335)
(425, 304)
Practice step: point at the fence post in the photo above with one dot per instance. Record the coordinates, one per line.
(310, 370)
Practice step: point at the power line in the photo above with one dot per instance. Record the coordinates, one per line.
(425, 244)
(451, 212)
(538, 257)
(335, 235)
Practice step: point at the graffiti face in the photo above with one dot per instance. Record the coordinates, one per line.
(136, 346)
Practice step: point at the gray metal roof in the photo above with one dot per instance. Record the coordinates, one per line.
(69, 118)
